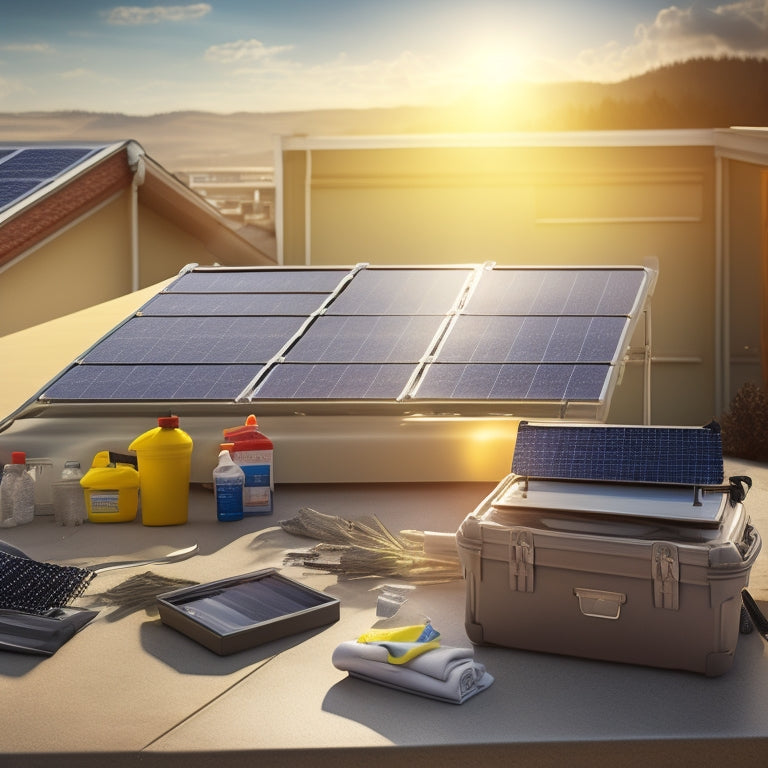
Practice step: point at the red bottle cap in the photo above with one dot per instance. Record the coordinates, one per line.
(18, 457)
(168, 422)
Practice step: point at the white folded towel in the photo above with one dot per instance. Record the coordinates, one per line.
(446, 674)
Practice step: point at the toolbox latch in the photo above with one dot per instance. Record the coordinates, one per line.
(666, 575)
(521, 561)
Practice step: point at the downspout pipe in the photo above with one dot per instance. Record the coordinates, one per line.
(138, 167)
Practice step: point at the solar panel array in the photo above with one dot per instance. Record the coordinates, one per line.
(691, 456)
(24, 170)
(388, 333)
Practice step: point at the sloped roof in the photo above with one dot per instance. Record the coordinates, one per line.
(46, 186)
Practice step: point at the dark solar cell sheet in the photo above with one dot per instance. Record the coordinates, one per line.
(631, 454)
(362, 381)
(401, 292)
(260, 281)
(488, 339)
(222, 304)
(366, 339)
(195, 340)
(493, 381)
(152, 382)
(42, 163)
(556, 292)
(11, 191)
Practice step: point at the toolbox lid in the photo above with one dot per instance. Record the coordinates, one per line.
(630, 454)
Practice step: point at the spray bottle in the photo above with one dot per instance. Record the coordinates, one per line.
(253, 452)
(228, 484)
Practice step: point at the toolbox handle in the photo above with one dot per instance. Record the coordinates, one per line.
(600, 604)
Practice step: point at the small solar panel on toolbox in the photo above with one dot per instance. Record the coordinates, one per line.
(683, 455)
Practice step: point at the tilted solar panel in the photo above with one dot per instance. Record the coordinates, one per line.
(395, 334)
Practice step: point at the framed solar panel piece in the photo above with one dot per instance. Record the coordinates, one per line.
(455, 339)
(24, 170)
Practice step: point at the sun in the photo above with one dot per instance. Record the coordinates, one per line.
(493, 68)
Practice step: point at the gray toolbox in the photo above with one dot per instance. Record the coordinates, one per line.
(615, 543)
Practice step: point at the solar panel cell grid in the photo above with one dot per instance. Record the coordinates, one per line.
(259, 281)
(335, 381)
(630, 454)
(366, 339)
(40, 164)
(388, 333)
(234, 304)
(196, 340)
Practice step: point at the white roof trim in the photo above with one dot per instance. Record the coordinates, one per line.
(749, 145)
(650, 138)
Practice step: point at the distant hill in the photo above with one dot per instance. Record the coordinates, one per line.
(701, 93)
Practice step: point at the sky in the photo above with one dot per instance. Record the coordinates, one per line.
(248, 55)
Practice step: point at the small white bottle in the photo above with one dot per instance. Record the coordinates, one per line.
(69, 497)
(17, 504)
(228, 485)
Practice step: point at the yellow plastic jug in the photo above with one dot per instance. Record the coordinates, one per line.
(164, 456)
(111, 490)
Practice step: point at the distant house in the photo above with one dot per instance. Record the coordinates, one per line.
(83, 223)
(694, 202)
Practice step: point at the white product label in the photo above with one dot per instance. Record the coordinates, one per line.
(104, 502)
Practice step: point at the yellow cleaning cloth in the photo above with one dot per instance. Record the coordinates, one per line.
(403, 643)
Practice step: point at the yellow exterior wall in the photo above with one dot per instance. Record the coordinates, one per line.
(540, 206)
(165, 248)
(743, 256)
(86, 264)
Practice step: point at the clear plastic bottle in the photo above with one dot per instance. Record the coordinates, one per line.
(228, 485)
(17, 503)
(69, 498)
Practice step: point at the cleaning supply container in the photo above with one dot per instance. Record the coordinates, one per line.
(228, 484)
(17, 502)
(253, 452)
(68, 496)
(164, 458)
(111, 490)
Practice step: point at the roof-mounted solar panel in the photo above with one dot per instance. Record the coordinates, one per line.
(426, 339)
(24, 170)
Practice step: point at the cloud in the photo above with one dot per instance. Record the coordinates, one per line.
(134, 15)
(342, 82)
(677, 34)
(27, 48)
(739, 27)
(244, 51)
